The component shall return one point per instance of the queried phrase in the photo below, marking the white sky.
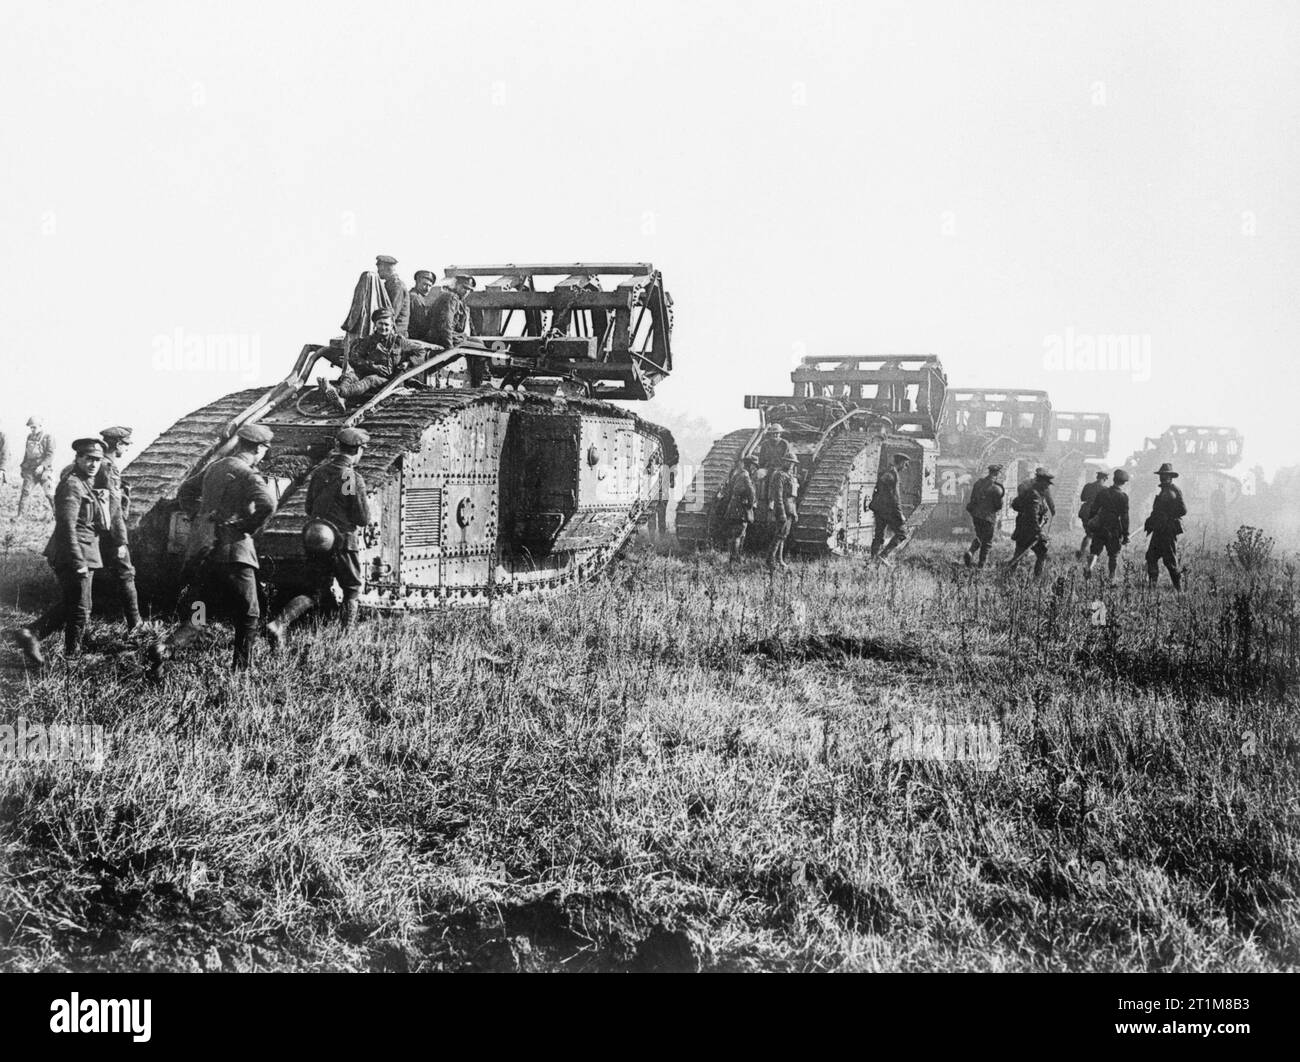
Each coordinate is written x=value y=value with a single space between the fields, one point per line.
x=963 y=179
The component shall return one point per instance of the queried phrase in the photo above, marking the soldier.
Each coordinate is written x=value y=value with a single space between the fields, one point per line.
x=741 y=500
x=80 y=514
x=221 y=558
x=37 y=466
x=1034 y=482
x=775 y=449
x=781 y=491
x=422 y=299
x=337 y=510
x=1108 y=523
x=374 y=360
x=887 y=505
x=986 y=497
x=449 y=316
x=1086 y=497
x=4 y=458
x=1164 y=525
x=1034 y=510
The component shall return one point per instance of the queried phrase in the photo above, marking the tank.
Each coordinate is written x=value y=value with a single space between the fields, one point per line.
x=1207 y=460
x=1076 y=452
x=846 y=418
x=499 y=467
x=980 y=427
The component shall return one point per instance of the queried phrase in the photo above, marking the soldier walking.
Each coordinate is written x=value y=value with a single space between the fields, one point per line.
x=887 y=505
x=1164 y=525
x=233 y=504
x=1107 y=524
x=80 y=515
x=781 y=491
x=742 y=498
x=1033 y=483
x=1034 y=515
x=986 y=497
x=337 y=511
x=37 y=468
x=1087 y=497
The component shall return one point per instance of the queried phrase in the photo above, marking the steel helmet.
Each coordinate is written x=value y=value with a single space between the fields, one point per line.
x=319 y=537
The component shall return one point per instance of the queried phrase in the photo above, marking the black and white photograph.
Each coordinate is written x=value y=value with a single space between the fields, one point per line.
x=618 y=488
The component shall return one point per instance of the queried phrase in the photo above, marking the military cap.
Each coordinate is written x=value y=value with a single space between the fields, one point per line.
x=352 y=437
x=1103 y=474
x=1166 y=470
x=425 y=273
x=33 y=422
x=380 y=314
x=901 y=459
x=994 y=469
x=385 y=259
x=116 y=433
x=1043 y=475
x=750 y=459
x=88 y=446
x=1040 y=471
x=1121 y=476
x=792 y=459
x=255 y=433
x=776 y=429
x=468 y=278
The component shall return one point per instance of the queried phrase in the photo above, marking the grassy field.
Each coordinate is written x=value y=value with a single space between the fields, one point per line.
x=683 y=767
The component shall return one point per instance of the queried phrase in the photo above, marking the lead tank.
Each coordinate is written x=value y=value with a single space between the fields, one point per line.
x=523 y=482
x=846 y=419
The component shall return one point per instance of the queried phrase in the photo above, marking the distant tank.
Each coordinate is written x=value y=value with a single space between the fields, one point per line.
x=1206 y=459
x=1076 y=453
x=528 y=482
x=981 y=427
x=846 y=419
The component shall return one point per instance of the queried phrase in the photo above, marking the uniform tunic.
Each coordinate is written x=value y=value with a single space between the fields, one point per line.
x=1033 y=513
x=233 y=504
x=1108 y=524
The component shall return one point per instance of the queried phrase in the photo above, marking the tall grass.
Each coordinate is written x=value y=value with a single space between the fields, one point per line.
x=685 y=766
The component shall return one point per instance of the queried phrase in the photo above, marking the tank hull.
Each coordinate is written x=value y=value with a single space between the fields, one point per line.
x=477 y=494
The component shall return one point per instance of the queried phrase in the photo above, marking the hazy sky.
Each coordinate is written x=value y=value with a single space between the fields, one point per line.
x=989 y=182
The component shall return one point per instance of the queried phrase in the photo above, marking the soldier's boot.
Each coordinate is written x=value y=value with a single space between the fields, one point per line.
x=1088 y=566
x=30 y=646
x=1039 y=564
x=1177 y=578
x=329 y=394
x=278 y=628
x=984 y=555
x=1112 y=565
x=967 y=559
x=131 y=605
x=350 y=610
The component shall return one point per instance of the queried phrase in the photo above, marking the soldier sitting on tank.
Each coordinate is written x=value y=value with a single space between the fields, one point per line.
x=374 y=360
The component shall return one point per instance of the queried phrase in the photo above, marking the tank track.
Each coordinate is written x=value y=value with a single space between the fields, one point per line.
x=822 y=494
x=695 y=530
